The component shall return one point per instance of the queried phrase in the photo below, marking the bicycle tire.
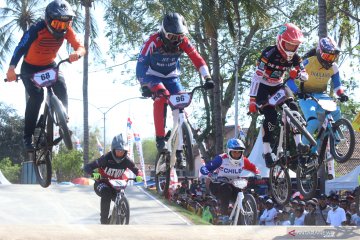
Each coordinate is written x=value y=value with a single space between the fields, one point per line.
x=342 y=157
x=41 y=157
x=249 y=204
x=61 y=121
x=188 y=148
x=162 y=179
x=307 y=192
x=281 y=196
x=122 y=212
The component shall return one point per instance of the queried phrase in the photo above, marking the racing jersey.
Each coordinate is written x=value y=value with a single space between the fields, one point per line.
x=154 y=60
x=271 y=67
x=109 y=168
x=39 y=47
x=222 y=166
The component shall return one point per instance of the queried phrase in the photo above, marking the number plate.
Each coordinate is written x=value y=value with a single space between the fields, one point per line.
x=180 y=100
x=45 y=78
x=277 y=98
x=117 y=182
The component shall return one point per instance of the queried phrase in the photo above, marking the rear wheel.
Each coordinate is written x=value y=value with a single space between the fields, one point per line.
x=61 y=120
x=342 y=143
x=162 y=173
x=250 y=211
x=280 y=184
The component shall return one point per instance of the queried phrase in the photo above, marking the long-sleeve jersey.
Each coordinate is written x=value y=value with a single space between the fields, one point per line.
x=222 y=166
x=319 y=77
x=109 y=168
x=271 y=67
x=154 y=60
x=39 y=47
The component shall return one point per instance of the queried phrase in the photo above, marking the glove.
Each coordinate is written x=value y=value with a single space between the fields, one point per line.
x=145 y=91
x=293 y=73
x=343 y=97
x=139 y=179
x=96 y=176
x=209 y=83
x=252 y=105
x=11 y=75
x=74 y=57
x=303 y=76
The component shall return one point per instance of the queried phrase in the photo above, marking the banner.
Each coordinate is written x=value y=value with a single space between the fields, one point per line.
x=99 y=146
x=77 y=144
x=139 y=150
x=129 y=137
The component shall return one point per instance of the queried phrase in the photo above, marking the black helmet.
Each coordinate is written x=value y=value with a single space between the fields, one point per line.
x=327 y=52
x=118 y=144
x=173 y=30
x=58 y=17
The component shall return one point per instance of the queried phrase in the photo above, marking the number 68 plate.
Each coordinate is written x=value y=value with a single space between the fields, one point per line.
x=45 y=78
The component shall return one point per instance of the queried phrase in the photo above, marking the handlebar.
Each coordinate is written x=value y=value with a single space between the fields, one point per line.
x=19 y=76
x=161 y=94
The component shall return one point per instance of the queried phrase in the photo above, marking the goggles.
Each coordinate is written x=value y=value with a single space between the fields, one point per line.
x=60 y=25
x=328 y=57
x=289 y=46
x=174 y=37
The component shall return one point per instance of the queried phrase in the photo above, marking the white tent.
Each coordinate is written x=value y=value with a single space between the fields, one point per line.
x=256 y=157
x=3 y=179
x=347 y=182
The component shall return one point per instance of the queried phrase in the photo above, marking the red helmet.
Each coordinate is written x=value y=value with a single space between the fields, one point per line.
x=288 y=40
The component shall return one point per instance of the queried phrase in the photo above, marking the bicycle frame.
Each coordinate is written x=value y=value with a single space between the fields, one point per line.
x=238 y=207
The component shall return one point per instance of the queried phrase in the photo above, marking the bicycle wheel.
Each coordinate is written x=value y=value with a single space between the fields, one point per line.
x=280 y=184
x=61 y=121
x=188 y=149
x=342 y=143
x=306 y=180
x=162 y=173
x=41 y=157
x=250 y=211
x=121 y=213
x=299 y=126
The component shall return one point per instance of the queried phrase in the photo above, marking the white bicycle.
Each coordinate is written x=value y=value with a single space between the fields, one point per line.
x=179 y=138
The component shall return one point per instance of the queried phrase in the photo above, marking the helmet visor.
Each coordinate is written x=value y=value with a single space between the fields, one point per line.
x=236 y=154
x=328 y=57
x=60 y=25
x=290 y=47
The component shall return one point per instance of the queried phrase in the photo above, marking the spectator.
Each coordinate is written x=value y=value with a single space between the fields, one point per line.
x=269 y=214
x=283 y=218
x=299 y=216
x=193 y=186
x=336 y=216
x=303 y=206
x=322 y=211
x=294 y=204
x=355 y=218
x=310 y=217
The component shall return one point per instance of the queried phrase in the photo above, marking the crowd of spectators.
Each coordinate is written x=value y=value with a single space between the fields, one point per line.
x=335 y=209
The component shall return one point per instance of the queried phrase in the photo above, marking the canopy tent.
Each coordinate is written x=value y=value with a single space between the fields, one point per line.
x=3 y=179
x=347 y=182
x=256 y=158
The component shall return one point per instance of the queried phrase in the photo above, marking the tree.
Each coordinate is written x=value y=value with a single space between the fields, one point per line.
x=10 y=170
x=11 y=134
x=17 y=15
x=67 y=165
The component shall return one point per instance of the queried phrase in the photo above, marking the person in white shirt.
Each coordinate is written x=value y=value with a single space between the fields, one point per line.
x=299 y=216
x=336 y=216
x=269 y=214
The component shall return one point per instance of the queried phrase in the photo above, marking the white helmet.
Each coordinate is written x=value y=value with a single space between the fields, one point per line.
x=235 y=145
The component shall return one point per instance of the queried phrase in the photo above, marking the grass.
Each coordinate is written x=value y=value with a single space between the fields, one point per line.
x=193 y=218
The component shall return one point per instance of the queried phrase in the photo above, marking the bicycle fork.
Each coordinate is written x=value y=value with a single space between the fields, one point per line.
x=234 y=216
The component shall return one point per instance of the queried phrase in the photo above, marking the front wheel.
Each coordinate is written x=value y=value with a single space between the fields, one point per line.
x=121 y=213
x=342 y=142
x=162 y=173
x=188 y=150
x=280 y=184
x=61 y=120
x=250 y=215
x=306 y=181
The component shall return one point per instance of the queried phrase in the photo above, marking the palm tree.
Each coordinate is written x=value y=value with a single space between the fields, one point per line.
x=17 y=15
